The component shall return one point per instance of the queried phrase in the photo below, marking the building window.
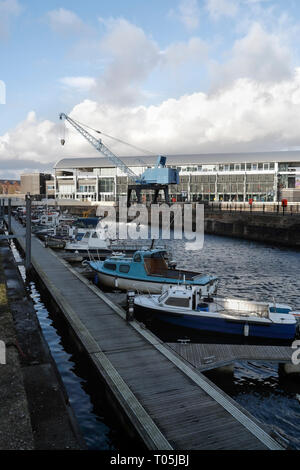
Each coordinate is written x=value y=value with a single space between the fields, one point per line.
x=106 y=185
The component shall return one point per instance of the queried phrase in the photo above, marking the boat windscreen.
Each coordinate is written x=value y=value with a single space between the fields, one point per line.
x=155 y=265
x=178 y=302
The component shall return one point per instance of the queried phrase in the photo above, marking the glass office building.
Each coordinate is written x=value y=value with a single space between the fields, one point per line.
x=265 y=177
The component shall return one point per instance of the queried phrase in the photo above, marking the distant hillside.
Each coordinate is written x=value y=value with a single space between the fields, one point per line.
x=10 y=187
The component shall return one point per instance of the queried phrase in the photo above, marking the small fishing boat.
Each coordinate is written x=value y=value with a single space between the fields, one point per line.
x=147 y=271
x=187 y=306
x=92 y=241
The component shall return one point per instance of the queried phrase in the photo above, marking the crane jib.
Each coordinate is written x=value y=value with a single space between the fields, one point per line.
x=157 y=175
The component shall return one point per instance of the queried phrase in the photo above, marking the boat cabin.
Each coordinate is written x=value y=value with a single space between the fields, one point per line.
x=194 y=298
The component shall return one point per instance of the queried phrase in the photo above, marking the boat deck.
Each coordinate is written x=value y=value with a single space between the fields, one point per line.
x=169 y=403
x=175 y=274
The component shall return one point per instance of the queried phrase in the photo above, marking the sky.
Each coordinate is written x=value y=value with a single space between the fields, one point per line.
x=170 y=77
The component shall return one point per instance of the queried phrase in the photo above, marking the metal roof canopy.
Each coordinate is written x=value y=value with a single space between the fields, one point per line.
x=185 y=159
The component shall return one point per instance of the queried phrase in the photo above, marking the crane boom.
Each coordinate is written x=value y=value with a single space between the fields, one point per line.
x=98 y=145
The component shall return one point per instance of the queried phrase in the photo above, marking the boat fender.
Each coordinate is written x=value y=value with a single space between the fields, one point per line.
x=116 y=282
x=246 y=329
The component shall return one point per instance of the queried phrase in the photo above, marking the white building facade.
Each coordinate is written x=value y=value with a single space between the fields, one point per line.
x=264 y=177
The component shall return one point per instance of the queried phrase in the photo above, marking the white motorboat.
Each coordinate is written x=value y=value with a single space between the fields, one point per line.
x=186 y=306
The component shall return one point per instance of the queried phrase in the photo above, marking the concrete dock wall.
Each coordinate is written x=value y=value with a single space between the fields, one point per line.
x=274 y=229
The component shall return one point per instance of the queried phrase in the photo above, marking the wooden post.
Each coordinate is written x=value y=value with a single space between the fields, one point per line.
x=28 y=232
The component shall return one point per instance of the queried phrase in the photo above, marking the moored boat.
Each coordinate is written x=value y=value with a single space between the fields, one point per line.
x=92 y=241
x=186 y=306
x=147 y=271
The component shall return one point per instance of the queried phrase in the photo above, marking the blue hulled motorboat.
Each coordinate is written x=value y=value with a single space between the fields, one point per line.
x=187 y=306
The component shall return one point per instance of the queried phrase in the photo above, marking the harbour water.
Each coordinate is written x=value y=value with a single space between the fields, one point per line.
x=245 y=269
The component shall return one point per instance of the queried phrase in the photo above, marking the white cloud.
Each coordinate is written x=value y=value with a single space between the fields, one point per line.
x=258 y=55
x=78 y=83
x=132 y=55
x=8 y=10
x=246 y=116
x=32 y=140
x=188 y=13
x=256 y=105
x=195 y=49
x=219 y=8
x=65 y=22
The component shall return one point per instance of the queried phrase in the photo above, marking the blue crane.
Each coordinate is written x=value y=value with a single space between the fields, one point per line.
x=157 y=178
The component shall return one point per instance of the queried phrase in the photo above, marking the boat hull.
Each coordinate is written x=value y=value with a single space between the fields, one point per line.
x=116 y=282
x=130 y=284
x=222 y=326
